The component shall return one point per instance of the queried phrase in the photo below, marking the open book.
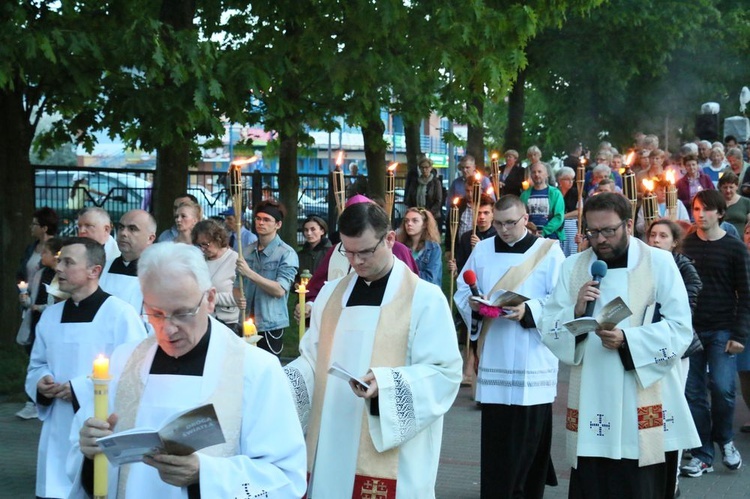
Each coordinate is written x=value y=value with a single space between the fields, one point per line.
x=609 y=317
x=501 y=298
x=337 y=370
x=184 y=434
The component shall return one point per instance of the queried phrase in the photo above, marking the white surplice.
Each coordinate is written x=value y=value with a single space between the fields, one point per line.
x=66 y=351
x=270 y=460
x=123 y=286
x=515 y=367
x=607 y=419
x=412 y=398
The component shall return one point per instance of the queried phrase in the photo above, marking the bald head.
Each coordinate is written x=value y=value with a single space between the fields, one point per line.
x=94 y=223
x=136 y=231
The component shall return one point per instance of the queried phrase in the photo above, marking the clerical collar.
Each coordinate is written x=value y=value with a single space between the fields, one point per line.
x=519 y=246
x=190 y=364
x=620 y=262
x=120 y=266
x=86 y=309
x=369 y=294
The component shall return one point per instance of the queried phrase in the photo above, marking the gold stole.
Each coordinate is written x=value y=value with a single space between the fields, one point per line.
x=375 y=471
x=227 y=402
x=641 y=297
x=511 y=280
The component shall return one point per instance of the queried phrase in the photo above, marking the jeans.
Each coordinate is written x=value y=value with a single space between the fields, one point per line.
x=714 y=423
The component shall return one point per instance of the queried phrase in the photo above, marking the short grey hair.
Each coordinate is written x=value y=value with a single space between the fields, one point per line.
x=168 y=259
x=565 y=171
x=100 y=213
x=601 y=168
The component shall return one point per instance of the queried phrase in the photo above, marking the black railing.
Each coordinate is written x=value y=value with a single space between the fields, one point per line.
x=121 y=190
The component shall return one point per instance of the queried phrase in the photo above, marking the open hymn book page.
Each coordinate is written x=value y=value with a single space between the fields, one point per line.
x=609 y=317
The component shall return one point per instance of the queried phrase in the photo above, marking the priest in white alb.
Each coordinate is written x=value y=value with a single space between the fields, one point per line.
x=192 y=360
x=394 y=332
x=627 y=415
x=517 y=374
x=69 y=336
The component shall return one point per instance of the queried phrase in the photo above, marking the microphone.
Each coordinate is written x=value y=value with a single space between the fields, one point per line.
x=598 y=271
x=470 y=278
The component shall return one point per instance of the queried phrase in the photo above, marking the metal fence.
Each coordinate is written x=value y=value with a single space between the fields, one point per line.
x=119 y=190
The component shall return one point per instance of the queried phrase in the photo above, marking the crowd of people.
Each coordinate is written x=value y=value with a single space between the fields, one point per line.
x=648 y=388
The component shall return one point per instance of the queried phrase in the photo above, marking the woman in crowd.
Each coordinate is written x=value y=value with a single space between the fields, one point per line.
x=420 y=234
x=43 y=227
x=512 y=174
x=427 y=192
x=187 y=215
x=566 y=182
x=212 y=239
x=713 y=170
x=693 y=182
x=316 y=245
x=738 y=207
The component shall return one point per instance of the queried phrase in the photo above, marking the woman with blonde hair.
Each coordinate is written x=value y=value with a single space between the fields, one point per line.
x=187 y=215
x=420 y=234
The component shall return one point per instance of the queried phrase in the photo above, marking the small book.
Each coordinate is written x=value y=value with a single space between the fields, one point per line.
x=609 y=317
x=342 y=373
x=501 y=298
x=184 y=434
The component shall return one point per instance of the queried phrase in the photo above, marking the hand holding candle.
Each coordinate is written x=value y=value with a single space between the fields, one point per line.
x=23 y=287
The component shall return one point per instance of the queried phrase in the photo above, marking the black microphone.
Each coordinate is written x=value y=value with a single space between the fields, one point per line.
x=470 y=278
x=598 y=271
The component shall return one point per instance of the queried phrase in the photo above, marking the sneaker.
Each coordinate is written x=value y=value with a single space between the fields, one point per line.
x=732 y=458
x=29 y=411
x=696 y=468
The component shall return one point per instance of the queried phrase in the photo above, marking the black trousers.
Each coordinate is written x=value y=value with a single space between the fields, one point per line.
x=271 y=341
x=516 y=442
x=598 y=477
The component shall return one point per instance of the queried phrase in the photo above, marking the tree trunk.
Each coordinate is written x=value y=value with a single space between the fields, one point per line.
x=170 y=181
x=16 y=203
x=475 y=134
x=412 y=137
x=375 y=149
x=516 y=104
x=288 y=186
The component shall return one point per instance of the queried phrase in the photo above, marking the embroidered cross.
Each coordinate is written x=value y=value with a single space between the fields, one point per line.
x=374 y=489
x=670 y=420
x=664 y=357
x=599 y=425
x=555 y=330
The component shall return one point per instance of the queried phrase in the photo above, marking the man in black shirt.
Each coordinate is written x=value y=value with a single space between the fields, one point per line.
x=721 y=318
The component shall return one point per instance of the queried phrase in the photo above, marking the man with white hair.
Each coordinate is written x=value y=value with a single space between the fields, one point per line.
x=192 y=360
x=704 y=151
x=136 y=231
x=95 y=223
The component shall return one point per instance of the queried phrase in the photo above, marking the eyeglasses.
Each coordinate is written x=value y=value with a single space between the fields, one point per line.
x=506 y=225
x=607 y=232
x=265 y=220
x=364 y=254
x=204 y=245
x=178 y=318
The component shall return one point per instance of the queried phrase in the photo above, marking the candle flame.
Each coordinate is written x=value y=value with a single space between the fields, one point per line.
x=100 y=357
x=648 y=184
x=490 y=191
x=583 y=161
x=525 y=184
x=478 y=177
x=495 y=155
x=622 y=171
x=249 y=320
x=629 y=159
x=340 y=158
x=240 y=162
x=455 y=201
x=670 y=176
x=392 y=167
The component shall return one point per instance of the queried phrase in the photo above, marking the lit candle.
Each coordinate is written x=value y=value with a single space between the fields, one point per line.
x=495 y=173
x=671 y=195
x=580 y=182
x=454 y=230
x=248 y=329
x=650 y=204
x=476 y=200
x=100 y=378
x=302 y=290
x=23 y=287
x=629 y=184
x=525 y=184
x=390 y=188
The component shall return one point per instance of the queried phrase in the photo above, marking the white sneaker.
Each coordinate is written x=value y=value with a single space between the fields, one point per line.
x=28 y=412
x=732 y=458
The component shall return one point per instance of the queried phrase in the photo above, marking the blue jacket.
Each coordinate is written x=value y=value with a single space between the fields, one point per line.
x=430 y=263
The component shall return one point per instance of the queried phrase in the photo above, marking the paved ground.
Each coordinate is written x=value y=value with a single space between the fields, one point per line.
x=458 y=477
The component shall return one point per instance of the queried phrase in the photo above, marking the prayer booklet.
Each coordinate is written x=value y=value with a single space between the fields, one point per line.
x=183 y=434
x=501 y=298
x=609 y=317
x=342 y=373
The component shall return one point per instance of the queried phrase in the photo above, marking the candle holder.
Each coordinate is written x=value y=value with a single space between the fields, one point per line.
x=339 y=185
x=495 y=173
x=629 y=184
x=476 y=198
x=453 y=221
x=650 y=204
x=390 y=189
x=235 y=189
x=671 y=196
x=250 y=332
x=580 y=181
x=304 y=278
